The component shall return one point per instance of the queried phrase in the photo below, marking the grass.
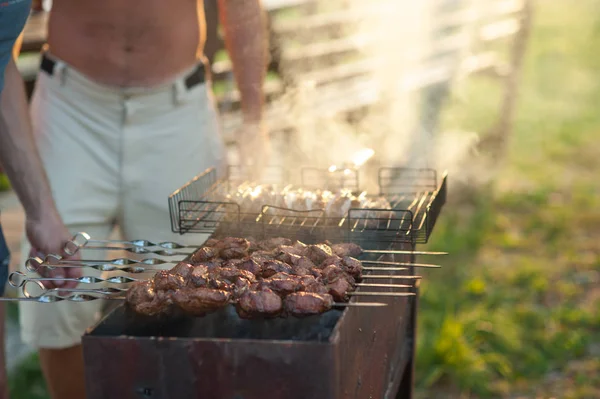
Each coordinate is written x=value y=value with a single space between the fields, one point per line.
x=515 y=312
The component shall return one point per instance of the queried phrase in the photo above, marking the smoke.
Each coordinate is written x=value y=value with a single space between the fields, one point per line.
x=396 y=40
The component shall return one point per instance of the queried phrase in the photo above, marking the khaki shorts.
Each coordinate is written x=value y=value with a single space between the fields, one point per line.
x=113 y=156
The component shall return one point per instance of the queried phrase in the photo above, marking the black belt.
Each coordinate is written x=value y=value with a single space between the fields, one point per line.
x=196 y=77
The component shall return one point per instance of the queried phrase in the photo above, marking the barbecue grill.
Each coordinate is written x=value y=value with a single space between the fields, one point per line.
x=357 y=352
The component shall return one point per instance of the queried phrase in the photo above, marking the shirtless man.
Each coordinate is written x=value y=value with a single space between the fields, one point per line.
x=123 y=115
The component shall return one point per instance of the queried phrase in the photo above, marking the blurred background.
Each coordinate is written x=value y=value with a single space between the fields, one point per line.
x=504 y=95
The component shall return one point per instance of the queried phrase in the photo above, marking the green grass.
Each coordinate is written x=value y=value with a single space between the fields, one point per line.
x=516 y=311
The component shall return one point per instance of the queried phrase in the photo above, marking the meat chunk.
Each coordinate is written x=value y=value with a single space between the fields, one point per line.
x=233 y=248
x=259 y=303
x=203 y=254
x=332 y=260
x=304 y=263
x=307 y=303
x=211 y=242
x=199 y=277
x=300 y=246
x=182 y=269
x=339 y=289
x=347 y=249
x=318 y=253
x=251 y=265
x=287 y=257
x=165 y=281
x=332 y=273
x=273 y=243
x=143 y=299
x=272 y=267
x=352 y=266
x=284 y=284
x=231 y=274
x=200 y=301
x=262 y=256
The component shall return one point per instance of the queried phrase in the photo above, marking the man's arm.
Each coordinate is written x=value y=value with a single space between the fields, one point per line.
x=23 y=166
x=244 y=25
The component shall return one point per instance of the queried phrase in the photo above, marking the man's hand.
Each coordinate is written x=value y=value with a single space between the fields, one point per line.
x=254 y=149
x=48 y=235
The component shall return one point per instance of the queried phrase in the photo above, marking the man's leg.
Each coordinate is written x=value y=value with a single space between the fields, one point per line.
x=78 y=138
x=170 y=144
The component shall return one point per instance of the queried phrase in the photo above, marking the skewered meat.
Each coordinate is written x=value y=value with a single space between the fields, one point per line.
x=352 y=266
x=199 y=277
x=286 y=257
x=165 y=281
x=203 y=254
x=144 y=300
x=347 y=249
x=273 y=243
x=271 y=267
x=303 y=279
x=211 y=242
x=259 y=303
x=200 y=301
x=307 y=303
x=262 y=256
x=284 y=284
x=231 y=274
x=183 y=269
x=318 y=253
x=249 y=264
x=332 y=260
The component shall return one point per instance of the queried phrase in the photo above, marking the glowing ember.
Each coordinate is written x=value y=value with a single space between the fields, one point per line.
x=362 y=156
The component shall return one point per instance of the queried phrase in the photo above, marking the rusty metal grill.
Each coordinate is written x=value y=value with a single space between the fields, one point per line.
x=416 y=200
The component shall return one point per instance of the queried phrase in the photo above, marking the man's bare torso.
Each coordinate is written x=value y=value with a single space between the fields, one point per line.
x=129 y=43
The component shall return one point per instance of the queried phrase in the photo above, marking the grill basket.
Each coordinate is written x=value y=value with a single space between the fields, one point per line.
x=416 y=199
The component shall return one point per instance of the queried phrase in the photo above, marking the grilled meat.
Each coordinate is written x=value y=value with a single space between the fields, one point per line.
x=165 y=281
x=318 y=253
x=182 y=269
x=203 y=254
x=259 y=303
x=272 y=267
x=198 y=277
x=307 y=303
x=273 y=243
x=352 y=266
x=231 y=274
x=250 y=265
x=268 y=278
x=347 y=249
x=284 y=284
x=200 y=301
x=144 y=300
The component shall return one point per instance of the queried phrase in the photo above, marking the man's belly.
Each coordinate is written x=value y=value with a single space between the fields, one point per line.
x=142 y=50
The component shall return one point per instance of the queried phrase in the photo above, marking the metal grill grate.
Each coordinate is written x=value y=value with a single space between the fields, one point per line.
x=415 y=199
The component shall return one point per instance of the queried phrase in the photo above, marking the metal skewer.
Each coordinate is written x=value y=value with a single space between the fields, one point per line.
x=397 y=294
x=392 y=252
x=367 y=276
x=359 y=304
x=18 y=279
x=378 y=262
x=375 y=285
x=389 y=269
